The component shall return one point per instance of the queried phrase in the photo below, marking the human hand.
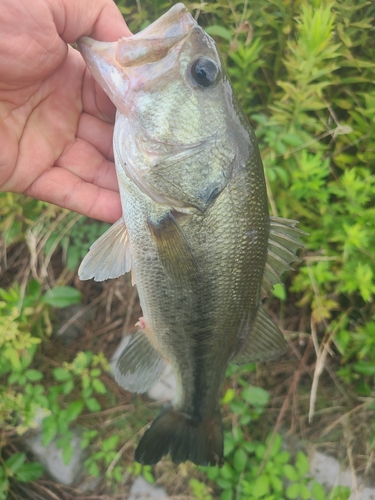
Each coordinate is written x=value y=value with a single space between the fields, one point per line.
x=56 y=124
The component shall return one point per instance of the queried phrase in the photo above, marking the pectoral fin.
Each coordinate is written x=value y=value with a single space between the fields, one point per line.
x=265 y=341
x=140 y=365
x=174 y=250
x=109 y=257
x=282 y=247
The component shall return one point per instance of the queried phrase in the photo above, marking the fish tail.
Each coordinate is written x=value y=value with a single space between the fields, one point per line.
x=200 y=441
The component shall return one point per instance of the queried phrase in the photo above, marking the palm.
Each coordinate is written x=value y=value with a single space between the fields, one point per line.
x=56 y=125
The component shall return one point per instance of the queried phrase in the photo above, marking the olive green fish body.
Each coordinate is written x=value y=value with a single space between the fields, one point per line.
x=209 y=289
x=195 y=232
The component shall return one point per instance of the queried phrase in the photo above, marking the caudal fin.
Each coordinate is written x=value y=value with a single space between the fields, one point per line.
x=184 y=438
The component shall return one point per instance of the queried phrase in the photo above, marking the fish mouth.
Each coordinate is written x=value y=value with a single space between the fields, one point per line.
x=116 y=66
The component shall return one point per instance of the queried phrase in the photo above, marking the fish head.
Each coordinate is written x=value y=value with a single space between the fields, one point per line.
x=145 y=72
x=174 y=99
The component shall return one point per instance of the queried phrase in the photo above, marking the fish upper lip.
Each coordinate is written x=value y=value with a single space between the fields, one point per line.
x=149 y=45
x=124 y=51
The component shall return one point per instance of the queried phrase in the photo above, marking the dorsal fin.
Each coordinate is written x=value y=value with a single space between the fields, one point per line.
x=283 y=244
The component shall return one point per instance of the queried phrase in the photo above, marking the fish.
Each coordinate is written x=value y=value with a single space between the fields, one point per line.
x=195 y=230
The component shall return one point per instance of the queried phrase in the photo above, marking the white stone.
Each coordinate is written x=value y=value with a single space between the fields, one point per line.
x=142 y=490
x=165 y=388
x=327 y=471
x=366 y=494
x=51 y=457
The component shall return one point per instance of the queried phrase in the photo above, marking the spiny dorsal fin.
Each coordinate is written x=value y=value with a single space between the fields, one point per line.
x=265 y=341
x=109 y=257
x=283 y=244
x=140 y=365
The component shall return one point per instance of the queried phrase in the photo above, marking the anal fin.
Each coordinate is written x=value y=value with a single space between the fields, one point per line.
x=265 y=341
x=140 y=365
x=109 y=257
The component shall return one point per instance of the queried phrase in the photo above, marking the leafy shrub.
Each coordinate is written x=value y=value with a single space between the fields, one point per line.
x=25 y=394
x=254 y=469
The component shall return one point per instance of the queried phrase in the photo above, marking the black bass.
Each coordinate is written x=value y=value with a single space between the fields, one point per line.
x=195 y=231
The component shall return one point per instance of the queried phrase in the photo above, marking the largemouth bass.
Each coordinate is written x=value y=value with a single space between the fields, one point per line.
x=195 y=232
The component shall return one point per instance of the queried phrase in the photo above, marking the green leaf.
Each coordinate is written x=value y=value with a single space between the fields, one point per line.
x=293 y=491
x=224 y=483
x=67 y=453
x=255 y=396
x=283 y=457
x=95 y=372
x=279 y=291
x=33 y=288
x=94 y=469
x=33 y=375
x=364 y=369
x=290 y=472
x=227 y=494
x=227 y=472
x=229 y=444
x=239 y=460
x=14 y=462
x=318 y=491
x=110 y=443
x=276 y=444
x=62 y=296
x=13 y=357
x=147 y=474
x=305 y=492
x=261 y=486
x=98 y=386
x=30 y=472
x=74 y=410
x=276 y=483
x=229 y=395
x=13 y=378
x=92 y=404
x=61 y=374
x=220 y=31
x=68 y=386
x=340 y=493
x=260 y=451
x=49 y=426
x=302 y=463
x=237 y=434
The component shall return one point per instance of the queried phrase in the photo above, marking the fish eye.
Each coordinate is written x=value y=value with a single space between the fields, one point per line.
x=204 y=72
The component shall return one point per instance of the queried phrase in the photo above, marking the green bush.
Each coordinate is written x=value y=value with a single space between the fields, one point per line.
x=256 y=469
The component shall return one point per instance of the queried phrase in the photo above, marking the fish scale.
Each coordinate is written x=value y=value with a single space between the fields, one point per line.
x=195 y=230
